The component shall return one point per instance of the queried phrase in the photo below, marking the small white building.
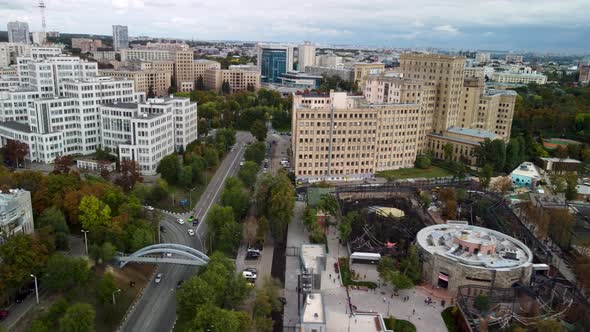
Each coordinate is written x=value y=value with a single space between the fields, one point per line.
x=16 y=213
x=313 y=318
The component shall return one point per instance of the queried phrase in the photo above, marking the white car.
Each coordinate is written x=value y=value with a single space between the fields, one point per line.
x=149 y=208
x=248 y=275
x=180 y=221
x=241 y=163
x=191 y=232
x=158 y=278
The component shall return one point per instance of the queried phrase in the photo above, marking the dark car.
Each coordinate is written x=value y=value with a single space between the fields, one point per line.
x=196 y=222
x=180 y=282
x=4 y=314
x=21 y=296
x=162 y=229
x=250 y=255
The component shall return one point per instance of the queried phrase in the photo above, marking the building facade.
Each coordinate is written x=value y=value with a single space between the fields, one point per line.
x=361 y=70
x=346 y=74
x=328 y=60
x=18 y=32
x=306 y=55
x=9 y=52
x=463 y=141
x=39 y=37
x=238 y=79
x=86 y=45
x=147 y=81
x=273 y=61
x=457 y=254
x=584 y=73
x=120 y=37
x=16 y=213
x=200 y=66
x=482 y=57
x=519 y=78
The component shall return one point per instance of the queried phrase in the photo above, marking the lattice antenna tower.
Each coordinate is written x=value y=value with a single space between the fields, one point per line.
x=42 y=8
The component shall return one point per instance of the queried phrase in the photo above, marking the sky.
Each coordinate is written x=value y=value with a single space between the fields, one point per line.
x=539 y=25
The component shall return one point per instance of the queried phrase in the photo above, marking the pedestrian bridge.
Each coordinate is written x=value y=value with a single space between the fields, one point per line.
x=157 y=253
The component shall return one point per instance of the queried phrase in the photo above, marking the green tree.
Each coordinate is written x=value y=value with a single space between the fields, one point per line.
x=151 y=93
x=200 y=83
x=280 y=205
x=169 y=168
x=482 y=303
x=215 y=319
x=235 y=196
x=20 y=255
x=54 y=218
x=105 y=288
x=185 y=176
x=65 y=272
x=255 y=152
x=329 y=204
x=259 y=130
x=78 y=318
x=448 y=151
x=248 y=173
x=193 y=294
x=485 y=175
x=225 y=88
x=571 y=180
x=102 y=253
x=223 y=230
x=423 y=162
x=95 y=216
x=211 y=156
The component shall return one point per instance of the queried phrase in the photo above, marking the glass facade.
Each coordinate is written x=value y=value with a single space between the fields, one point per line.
x=273 y=65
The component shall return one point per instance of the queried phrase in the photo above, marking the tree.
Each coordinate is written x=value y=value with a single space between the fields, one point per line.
x=62 y=164
x=151 y=93
x=448 y=151
x=251 y=87
x=215 y=319
x=169 y=168
x=501 y=185
x=235 y=196
x=492 y=153
x=64 y=272
x=329 y=204
x=223 y=231
x=185 y=176
x=21 y=255
x=248 y=173
x=485 y=175
x=571 y=180
x=103 y=253
x=255 y=152
x=259 y=130
x=345 y=228
x=54 y=218
x=211 y=155
x=225 y=88
x=200 y=83
x=95 y=216
x=105 y=288
x=193 y=294
x=15 y=152
x=423 y=162
x=78 y=318
x=130 y=175
x=280 y=205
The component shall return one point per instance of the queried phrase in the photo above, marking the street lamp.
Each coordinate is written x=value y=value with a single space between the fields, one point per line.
x=36 y=287
x=115 y=292
x=190 y=196
x=86 y=240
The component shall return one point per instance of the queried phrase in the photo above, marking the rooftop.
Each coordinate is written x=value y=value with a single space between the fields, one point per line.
x=16 y=126
x=527 y=169
x=130 y=106
x=313 y=309
x=494 y=92
x=312 y=256
x=11 y=194
x=473 y=132
x=562 y=160
x=474 y=246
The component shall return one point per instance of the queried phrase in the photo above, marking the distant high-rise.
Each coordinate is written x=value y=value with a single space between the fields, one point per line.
x=273 y=61
x=18 y=32
x=306 y=55
x=120 y=37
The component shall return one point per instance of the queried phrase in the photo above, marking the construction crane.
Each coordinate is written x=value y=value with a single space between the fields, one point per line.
x=42 y=8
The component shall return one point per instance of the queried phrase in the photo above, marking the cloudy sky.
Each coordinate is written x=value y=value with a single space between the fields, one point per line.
x=470 y=24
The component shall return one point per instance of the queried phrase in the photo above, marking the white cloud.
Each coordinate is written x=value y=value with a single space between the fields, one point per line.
x=406 y=36
x=447 y=28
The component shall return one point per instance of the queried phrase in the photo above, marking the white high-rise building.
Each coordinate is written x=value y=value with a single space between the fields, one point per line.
x=46 y=75
x=16 y=213
x=18 y=32
x=120 y=37
x=306 y=55
x=39 y=37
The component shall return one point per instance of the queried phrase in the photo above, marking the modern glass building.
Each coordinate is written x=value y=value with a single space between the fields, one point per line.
x=274 y=61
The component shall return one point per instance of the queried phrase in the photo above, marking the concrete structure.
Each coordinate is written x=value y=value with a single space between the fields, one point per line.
x=9 y=52
x=47 y=75
x=201 y=66
x=146 y=132
x=306 y=56
x=39 y=37
x=512 y=58
x=474 y=72
x=104 y=56
x=313 y=262
x=146 y=55
x=584 y=73
x=520 y=78
x=445 y=73
x=300 y=80
x=120 y=37
x=313 y=318
x=184 y=71
x=482 y=57
x=273 y=61
x=86 y=45
x=345 y=74
x=16 y=213
x=18 y=32
x=361 y=70
x=525 y=175
x=96 y=165
x=328 y=60
x=457 y=254
x=145 y=80
x=560 y=164
x=238 y=79
x=464 y=141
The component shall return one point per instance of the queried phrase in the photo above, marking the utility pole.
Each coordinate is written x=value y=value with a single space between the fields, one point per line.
x=36 y=287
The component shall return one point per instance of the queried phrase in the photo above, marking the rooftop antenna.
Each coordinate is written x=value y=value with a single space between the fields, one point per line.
x=42 y=8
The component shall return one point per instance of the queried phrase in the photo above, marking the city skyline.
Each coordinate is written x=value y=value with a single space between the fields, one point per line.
x=490 y=24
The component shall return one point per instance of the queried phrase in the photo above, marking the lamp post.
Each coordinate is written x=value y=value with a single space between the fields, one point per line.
x=115 y=292
x=85 y=240
x=36 y=288
x=190 y=196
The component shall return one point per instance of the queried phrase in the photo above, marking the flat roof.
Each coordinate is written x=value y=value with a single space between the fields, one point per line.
x=446 y=239
x=365 y=322
x=455 y=139
x=472 y=132
x=494 y=92
x=313 y=309
x=527 y=169
x=564 y=160
x=310 y=254
x=122 y=105
x=16 y=126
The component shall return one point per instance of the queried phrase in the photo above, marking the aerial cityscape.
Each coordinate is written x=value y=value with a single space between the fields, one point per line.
x=302 y=167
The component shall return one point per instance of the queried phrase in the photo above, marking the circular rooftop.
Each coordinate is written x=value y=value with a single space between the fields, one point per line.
x=474 y=246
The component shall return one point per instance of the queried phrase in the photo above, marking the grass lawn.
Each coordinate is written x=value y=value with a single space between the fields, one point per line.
x=410 y=173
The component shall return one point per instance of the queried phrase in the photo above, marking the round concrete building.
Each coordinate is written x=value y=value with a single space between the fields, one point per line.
x=456 y=254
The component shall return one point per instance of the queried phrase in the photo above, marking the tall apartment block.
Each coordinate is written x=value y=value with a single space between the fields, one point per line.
x=16 y=213
x=306 y=56
x=424 y=107
x=274 y=61
x=120 y=37
x=238 y=79
x=18 y=32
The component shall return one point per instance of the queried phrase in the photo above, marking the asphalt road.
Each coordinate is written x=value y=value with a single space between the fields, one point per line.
x=156 y=310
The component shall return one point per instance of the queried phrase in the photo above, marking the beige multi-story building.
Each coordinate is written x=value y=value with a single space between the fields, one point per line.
x=145 y=80
x=146 y=55
x=86 y=45
x=519 y=78
x=477 y=72
x=184 y=73
x=446 y=73
x=463 y=142
x=511 y=58
x=482 y=57
x=9 y=52
x=584 y=73
x=361 y=70
x=306 y=55
x=238 y=79
x=328 y=60
x=200 y=66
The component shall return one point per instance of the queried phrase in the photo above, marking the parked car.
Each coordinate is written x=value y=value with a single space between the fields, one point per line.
x=158 y=278
x=249 y=275
x=180 y=221
x=251 y=270
x=149 y=208
x=191 y=232
x=4 y=314
x=252 y=255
